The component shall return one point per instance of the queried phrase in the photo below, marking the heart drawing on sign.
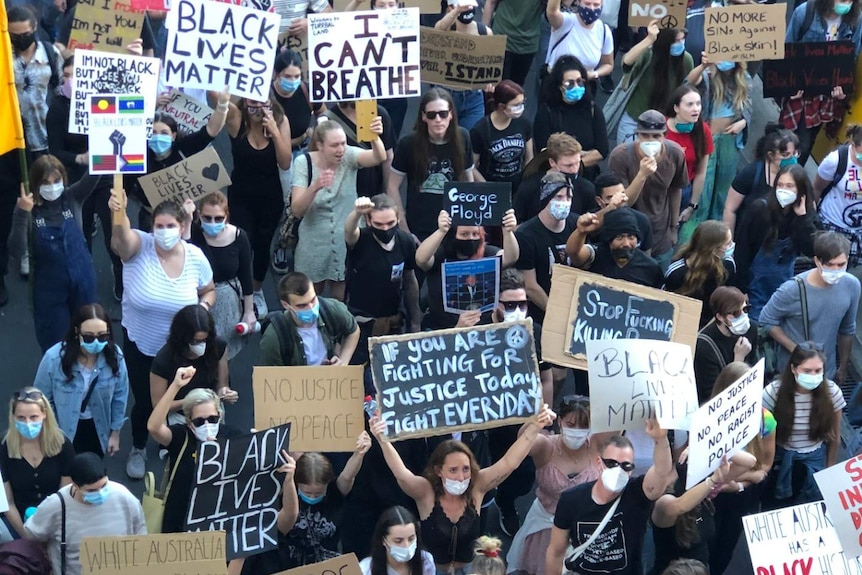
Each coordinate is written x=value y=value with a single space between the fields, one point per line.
x=211 y=172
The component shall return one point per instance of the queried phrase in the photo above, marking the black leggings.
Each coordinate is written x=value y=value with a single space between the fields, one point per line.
x=517 y=66
x=258 y=217
x=97 y=203
x=138 y=366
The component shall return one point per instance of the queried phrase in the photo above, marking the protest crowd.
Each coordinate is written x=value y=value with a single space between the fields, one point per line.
x=444 y=282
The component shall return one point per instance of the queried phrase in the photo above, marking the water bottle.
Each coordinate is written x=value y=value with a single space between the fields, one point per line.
x=243 y=328
x=29 y=513
x=370 y=406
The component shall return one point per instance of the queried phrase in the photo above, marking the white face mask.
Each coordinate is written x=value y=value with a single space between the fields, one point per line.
x=166 y=238
x=832 y=277
x=574 y=438
x=402 y=554
x=650 y=148
x=614 y=479
x=785 y=197
x=51 y=192
x=198 y=349
x=206 y=431
x=740 y=325
x=514 y=315
x=454 y=487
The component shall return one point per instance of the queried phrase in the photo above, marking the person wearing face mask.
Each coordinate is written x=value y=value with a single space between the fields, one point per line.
x=730 y=336
x=396 y=547
x=774 y=232
x=291 y=92
x=85 y=379
x=581 y=34
x=570 y=108
x=46 y=225
x=34 y=457
x=563 y=461
x=831 y=299
x=453 y=485
x=807 y=407
x=161 y=275
x=92 y=506
x=587 y=504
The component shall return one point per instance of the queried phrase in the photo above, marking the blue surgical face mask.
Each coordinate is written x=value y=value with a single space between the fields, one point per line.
x=574 y=94
x=95 y=347
x=725 y=66
x=792 y=160
x=29 y=429
x=160 y=143
x=684 y=127
x=677 y=48
x=309 y=500
x=308 y=315
x=809 y=381
x=212 y=228
x=96 y=497
x=289 y=85
x=842 y=8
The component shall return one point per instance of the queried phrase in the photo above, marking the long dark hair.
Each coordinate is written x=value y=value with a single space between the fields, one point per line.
x=698 y=134
x=686 y=528
x=775 y=138
x=392 y=517
x=551 y=86
x=453 y=137
x=821 y=417
x=186 y=323
x=779 y=218
x=70 y=349
x=824 y=8
x=667 y=70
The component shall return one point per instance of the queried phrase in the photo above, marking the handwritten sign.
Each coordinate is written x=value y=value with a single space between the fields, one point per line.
x=669 y=13
x=425 y=6
x=363 y=55
x=187 y=553
x=117 y=135
x=150 y=5
x=236 y=490
x=796 y=540
x=841 y=486
x=109 y=25
x=743 y=33
x=212 y=45
x=342 y=565
x=323 y=404
x=477 y=203
x=814 y=67
x=583 y=306
x=448 y=380
x=471 y=285
x=724 y=425
x=191 y=179
x=190 y=114
x=101 y=73
x=461 y=61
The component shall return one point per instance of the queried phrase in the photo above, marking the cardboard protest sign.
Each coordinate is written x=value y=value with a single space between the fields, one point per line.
x=191 y=179
x=841 y=486
x=471 y=285
x=190 y=114
x=101 y=73
x=460 y=61
x=366 y=113
x=342 y=565
x=796 y=540
x=583 y=306
x=434 y=383
x=212 y=45
x=323 y=404
x=814 y=67
x=187 y=553
x=724 y=425
x=477 y=203
x=745 y=32
x=237 y=488
x=298 y=44
x=632 y=380
x=157 y=5
x=109 y=25
x=117 y=135
x=669 y=13
x=363 y=55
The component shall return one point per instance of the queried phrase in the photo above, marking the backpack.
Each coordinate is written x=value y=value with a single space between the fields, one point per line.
x=809 y=18
x=282 y=327
x=23 y=557
x=843 y=159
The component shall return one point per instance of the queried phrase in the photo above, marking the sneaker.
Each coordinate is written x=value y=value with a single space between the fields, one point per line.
x=25 y=265
x=260 y=304
x=510 y=522
x=136 y=466
x=281 y=260
x=4 y=295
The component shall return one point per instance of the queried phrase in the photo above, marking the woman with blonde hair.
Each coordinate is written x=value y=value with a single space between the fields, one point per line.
x=487 y=557
x=34 y=456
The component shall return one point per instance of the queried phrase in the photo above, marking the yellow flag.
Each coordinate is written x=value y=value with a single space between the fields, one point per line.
x=11 y=129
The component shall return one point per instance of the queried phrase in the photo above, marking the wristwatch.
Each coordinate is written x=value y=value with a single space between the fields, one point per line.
x=693 y=207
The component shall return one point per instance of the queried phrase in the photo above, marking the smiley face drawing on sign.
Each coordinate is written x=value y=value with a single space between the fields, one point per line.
x=517 y=336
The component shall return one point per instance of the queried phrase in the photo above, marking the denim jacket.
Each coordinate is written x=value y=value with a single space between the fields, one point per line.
x=107 y=404
x=817 y=31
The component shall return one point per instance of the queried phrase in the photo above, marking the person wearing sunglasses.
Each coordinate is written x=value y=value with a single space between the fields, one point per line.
x=620 y=545
x=34 y=456
x=84 y=377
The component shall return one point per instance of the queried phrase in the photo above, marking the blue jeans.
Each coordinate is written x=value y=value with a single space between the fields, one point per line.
x=814 y=461
x=626 y=129
x=470 y=107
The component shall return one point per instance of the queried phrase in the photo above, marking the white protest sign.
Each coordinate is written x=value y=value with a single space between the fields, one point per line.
x=4 y=503
x=363 y=55
x=118 y=135
x=799 y=540
x=725 y=425
x=634 y=379
x=212 y=45
x=102 y=73
x=190 y=114
x=841 y=486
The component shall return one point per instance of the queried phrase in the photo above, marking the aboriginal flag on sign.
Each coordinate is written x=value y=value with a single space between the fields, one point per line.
x=106 y=105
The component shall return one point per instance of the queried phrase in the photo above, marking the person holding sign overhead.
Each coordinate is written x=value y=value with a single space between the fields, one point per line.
x=453 y=485
x=583 y=36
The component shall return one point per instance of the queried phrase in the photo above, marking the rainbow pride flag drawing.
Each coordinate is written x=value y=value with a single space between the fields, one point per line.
x=132 y=163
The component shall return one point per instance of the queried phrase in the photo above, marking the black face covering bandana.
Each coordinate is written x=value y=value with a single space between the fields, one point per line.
x=467 y=17
x=385 y=236
x=466 y=247
x=622 y=253
x=22 y=41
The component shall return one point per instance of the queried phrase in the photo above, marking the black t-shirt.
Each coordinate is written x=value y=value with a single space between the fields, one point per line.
x=369 y=181
x=618 y=548
x=31 y=486
x=708 y=364
x=750 y=182
x=501 y=152
x=165 y=366
x=437 y=318
x=541 y=248
x=298 y=110
x=425 y=197
x=667 y=548
x=375 y=276
x=675 y=278
x=526 y=201
x=230 y=261
x=314 y=536
x=641 y=269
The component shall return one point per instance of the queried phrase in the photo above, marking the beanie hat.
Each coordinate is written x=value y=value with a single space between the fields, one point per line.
x=549 y=186
x=619 y=221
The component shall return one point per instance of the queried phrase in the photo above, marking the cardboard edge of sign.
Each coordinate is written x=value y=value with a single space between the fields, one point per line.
x=433 y=432
x=562 y=304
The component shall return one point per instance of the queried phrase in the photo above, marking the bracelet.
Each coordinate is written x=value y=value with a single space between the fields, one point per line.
x=206 y=303
x=222 y=107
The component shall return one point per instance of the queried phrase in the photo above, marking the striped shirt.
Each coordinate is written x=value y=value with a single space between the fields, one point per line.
x=290 y=10
x=151 y=298
x=799 y=440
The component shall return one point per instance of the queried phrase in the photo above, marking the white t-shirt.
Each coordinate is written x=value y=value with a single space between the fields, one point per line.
x=842 y=205
x=151 y=298
x=120 y=514
x=312 y=343
x=586 y=44
x=289 y=10
x=428 y=567
x=799 y=434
